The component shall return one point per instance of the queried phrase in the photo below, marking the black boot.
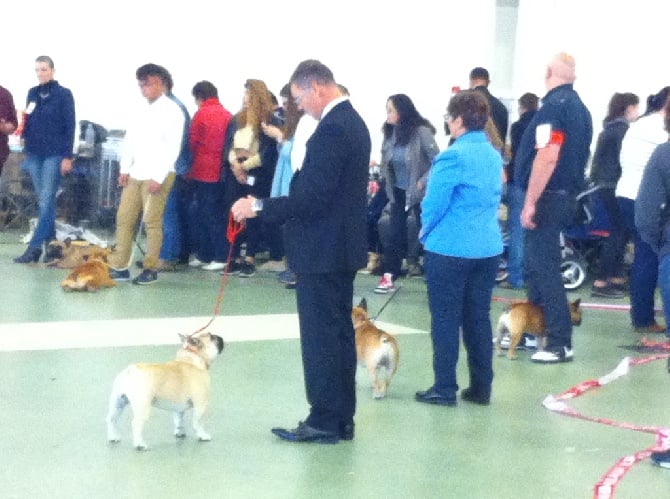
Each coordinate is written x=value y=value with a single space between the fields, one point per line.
x=32 y=255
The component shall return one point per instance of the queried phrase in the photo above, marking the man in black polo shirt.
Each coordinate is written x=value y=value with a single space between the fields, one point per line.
x=550 y=167
x=479 y=80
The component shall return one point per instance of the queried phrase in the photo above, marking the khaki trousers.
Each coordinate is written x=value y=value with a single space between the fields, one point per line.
x=135 y=200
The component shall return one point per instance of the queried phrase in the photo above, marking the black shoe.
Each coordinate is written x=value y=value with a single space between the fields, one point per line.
x=232 y=268
x=470 y=395
x=430 y=396
x=247 y=269
x=346 y=431
x=607 y=291
x=31 y=255
x=305 y=433
x=147 y=276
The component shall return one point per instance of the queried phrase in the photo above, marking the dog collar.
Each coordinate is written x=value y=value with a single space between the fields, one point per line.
x=193 y=350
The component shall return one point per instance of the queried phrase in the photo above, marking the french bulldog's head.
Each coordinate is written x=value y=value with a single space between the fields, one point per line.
x=207 y=345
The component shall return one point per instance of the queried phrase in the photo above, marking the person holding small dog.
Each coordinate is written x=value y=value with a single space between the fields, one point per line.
x=463 y=244
x=549 y=167
x=325 y=237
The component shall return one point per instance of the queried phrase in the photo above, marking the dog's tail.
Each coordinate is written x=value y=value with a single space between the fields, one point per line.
x=390 y=354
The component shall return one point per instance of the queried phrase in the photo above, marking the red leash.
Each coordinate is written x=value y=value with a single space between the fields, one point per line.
x=234 y=229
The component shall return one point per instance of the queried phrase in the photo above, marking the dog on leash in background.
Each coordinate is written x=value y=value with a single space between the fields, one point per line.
x=178 y=385
x=91 y=275
x=525 y=317
x=375 y=348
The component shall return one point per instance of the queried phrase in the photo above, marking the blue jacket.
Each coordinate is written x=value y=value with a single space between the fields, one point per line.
x=459 y=214
x=50 y=127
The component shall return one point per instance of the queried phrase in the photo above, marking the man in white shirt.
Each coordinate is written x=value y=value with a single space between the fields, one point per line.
x=151 y=147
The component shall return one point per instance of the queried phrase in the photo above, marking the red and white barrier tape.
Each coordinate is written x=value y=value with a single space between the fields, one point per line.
x=605 y=487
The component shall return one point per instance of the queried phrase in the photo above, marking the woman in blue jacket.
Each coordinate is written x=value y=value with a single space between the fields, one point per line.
x=462 y=246
x=48 y=137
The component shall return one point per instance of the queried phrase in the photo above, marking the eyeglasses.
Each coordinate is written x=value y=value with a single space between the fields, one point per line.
x=447 y=117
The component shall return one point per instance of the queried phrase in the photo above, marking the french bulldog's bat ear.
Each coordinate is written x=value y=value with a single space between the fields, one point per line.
x=363 y=304
x=577 y=302
x=184 y=339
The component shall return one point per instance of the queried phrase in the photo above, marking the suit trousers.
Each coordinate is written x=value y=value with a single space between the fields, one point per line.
x=135 y=200
x=328 y=347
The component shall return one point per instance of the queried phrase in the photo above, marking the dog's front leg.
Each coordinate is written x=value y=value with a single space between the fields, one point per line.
x=198 y=412
x=179 y=430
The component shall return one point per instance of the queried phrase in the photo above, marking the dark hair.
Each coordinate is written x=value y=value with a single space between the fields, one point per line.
x=285 y=91
x=409 y=120
x=666 y=119
x=657 y=102
x=618 y=105
x=204 y=90
x=529 y=101
x=472 y=107
x=143 y=72
x=47 y=59
x=310 y=71
x=479 y=73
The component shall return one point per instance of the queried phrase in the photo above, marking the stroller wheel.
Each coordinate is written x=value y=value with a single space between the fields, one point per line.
x=573 y=272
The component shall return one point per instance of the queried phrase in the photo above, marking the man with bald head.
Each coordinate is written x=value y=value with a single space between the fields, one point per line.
x=549 y=167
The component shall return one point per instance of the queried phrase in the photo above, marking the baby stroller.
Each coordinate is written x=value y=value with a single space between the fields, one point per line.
x=581 y=242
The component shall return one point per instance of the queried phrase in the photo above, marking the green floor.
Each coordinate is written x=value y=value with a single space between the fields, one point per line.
x=52 y=430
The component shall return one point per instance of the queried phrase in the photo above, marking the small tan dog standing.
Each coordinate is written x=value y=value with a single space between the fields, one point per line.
x=178 y=385
x=525 y=317
x=91 y=275
x=377 y=349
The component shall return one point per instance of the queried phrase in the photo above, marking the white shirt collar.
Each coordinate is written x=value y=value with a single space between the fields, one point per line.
x=332 y=104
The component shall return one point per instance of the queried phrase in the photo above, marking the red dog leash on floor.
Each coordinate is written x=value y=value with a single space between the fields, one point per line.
x=234 y=229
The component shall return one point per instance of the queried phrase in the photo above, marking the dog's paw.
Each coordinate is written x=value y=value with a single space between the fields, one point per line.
x=180 y=434
x=141 y=447
x=204 y=437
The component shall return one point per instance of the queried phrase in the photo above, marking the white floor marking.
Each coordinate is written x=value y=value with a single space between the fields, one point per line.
x=164 y=331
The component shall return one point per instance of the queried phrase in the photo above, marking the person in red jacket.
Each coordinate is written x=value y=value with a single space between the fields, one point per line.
x=206 y=140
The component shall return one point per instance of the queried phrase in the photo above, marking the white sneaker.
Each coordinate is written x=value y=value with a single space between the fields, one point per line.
x=385 y=284
x=196 y=263
x=531 y=342
x=560 y=354
x=213 y=265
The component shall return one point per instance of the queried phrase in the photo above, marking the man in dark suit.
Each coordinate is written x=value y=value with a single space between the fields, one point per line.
x=325 y=236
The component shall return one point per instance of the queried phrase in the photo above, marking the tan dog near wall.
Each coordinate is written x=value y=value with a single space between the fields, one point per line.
x=377 y=349
x=178 y=385
x=525 y=317
x=91 y=275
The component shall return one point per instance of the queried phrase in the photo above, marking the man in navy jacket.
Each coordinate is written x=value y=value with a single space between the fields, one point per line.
x=325 y=236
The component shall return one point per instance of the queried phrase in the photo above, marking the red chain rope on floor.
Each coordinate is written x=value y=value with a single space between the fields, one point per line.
x=606 y=486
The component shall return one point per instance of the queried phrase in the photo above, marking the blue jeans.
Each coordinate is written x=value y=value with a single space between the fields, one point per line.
x=211 y=221
x=403 y=237
x=515 y=200
x=459 y=296
x=643 y=272
x=542 y=250
x=45 y=175
x=664 y=285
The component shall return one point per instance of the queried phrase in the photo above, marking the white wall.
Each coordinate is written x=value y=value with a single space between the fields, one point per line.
x=420 y=48
x=618 y=45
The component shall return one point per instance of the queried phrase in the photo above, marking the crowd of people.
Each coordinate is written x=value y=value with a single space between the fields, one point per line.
x=297 y=174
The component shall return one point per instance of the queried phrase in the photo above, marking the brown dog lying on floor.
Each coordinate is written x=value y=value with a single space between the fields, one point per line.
x=377 y=349
x=91 y=275
x=525 y=317
x=69 y=254
x=179 y=385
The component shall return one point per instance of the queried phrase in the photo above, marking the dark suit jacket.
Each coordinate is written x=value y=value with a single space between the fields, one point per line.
x=325 y=211
x=499 y=113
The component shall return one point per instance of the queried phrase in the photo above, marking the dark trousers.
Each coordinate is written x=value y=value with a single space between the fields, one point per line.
x=403 y=237
x=459 y=296
x=542 y=253
x=328 y=347
x=212 y=218
x=643 y=272
x=611 y=255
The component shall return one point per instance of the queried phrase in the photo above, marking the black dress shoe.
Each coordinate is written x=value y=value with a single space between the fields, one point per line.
x=31 y=255
x=476 y=398
x=430 y=396
x=346 y=431
x=305 y=433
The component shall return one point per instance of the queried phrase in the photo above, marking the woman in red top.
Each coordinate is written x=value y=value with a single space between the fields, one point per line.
x=206 y=139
